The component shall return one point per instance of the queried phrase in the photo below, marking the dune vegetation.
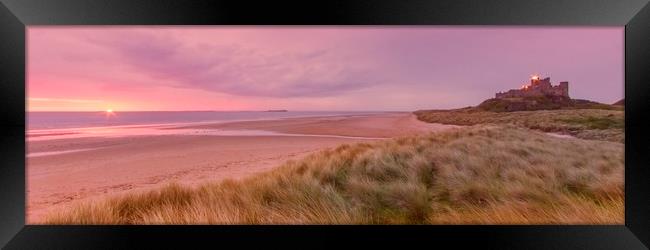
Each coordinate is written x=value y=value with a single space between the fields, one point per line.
x=591 y=124
x=533 y=103
x=486 y=174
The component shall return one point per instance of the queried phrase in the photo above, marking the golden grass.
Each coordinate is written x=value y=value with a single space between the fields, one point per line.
x=592 y=124
x=473 y=175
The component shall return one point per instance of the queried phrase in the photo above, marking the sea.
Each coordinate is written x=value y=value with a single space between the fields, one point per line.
x=57 y=120
x=60 y=125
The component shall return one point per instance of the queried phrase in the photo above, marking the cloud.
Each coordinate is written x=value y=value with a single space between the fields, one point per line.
x=238 y=69
x=316 y=67
x=38 y=99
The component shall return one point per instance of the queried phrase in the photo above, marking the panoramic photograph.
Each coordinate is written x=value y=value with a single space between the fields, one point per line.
x=324 y=125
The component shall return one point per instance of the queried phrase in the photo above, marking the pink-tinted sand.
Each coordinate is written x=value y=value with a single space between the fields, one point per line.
x=94 y=167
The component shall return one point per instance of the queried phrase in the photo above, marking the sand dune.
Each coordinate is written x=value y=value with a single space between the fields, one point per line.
x=140 y=162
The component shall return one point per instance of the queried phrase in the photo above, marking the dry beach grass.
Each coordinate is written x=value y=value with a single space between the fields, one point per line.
x=100 y=166
x=591 y=124
x=484 y=174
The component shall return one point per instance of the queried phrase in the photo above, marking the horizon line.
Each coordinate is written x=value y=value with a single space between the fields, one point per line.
x=268 y=110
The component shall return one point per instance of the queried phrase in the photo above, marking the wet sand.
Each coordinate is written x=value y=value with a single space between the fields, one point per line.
x=384 y=125
x=61 y=171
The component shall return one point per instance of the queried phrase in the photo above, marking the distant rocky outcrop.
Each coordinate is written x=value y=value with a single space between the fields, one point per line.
x=523 y=104
x=540 y=103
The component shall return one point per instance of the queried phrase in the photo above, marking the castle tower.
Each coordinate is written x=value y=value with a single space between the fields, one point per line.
x=564 y=86
x=534 y=79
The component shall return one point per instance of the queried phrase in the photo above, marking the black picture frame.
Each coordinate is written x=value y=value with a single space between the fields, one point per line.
x=15 y=15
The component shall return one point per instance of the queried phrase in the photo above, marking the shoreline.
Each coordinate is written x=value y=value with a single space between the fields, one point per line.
x=35 y=131
x=81 y=132
x=140 y=162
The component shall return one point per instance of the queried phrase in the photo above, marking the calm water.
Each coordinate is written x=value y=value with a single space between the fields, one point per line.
x=69 y=125
x=61 y=120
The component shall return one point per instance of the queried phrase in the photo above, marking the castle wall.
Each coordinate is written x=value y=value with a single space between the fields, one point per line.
x=564 y=86
x=537 y=88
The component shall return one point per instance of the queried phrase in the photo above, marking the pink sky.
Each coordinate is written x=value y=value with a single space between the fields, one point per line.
x=90 y=68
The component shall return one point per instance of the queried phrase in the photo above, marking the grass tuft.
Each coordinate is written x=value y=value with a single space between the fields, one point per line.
x=485 y=174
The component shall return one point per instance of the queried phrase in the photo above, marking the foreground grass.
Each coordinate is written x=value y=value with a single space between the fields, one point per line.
x=592 y=124
x=474 y=175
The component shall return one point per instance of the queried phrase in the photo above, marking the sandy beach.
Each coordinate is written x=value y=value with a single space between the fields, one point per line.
x=60 y=171
x=167 y=125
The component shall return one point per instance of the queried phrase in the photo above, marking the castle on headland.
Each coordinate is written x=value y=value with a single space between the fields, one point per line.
x=537 y=87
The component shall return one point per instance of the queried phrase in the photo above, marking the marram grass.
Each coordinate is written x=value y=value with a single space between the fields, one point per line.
x=484 y=174
x=591 y=124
